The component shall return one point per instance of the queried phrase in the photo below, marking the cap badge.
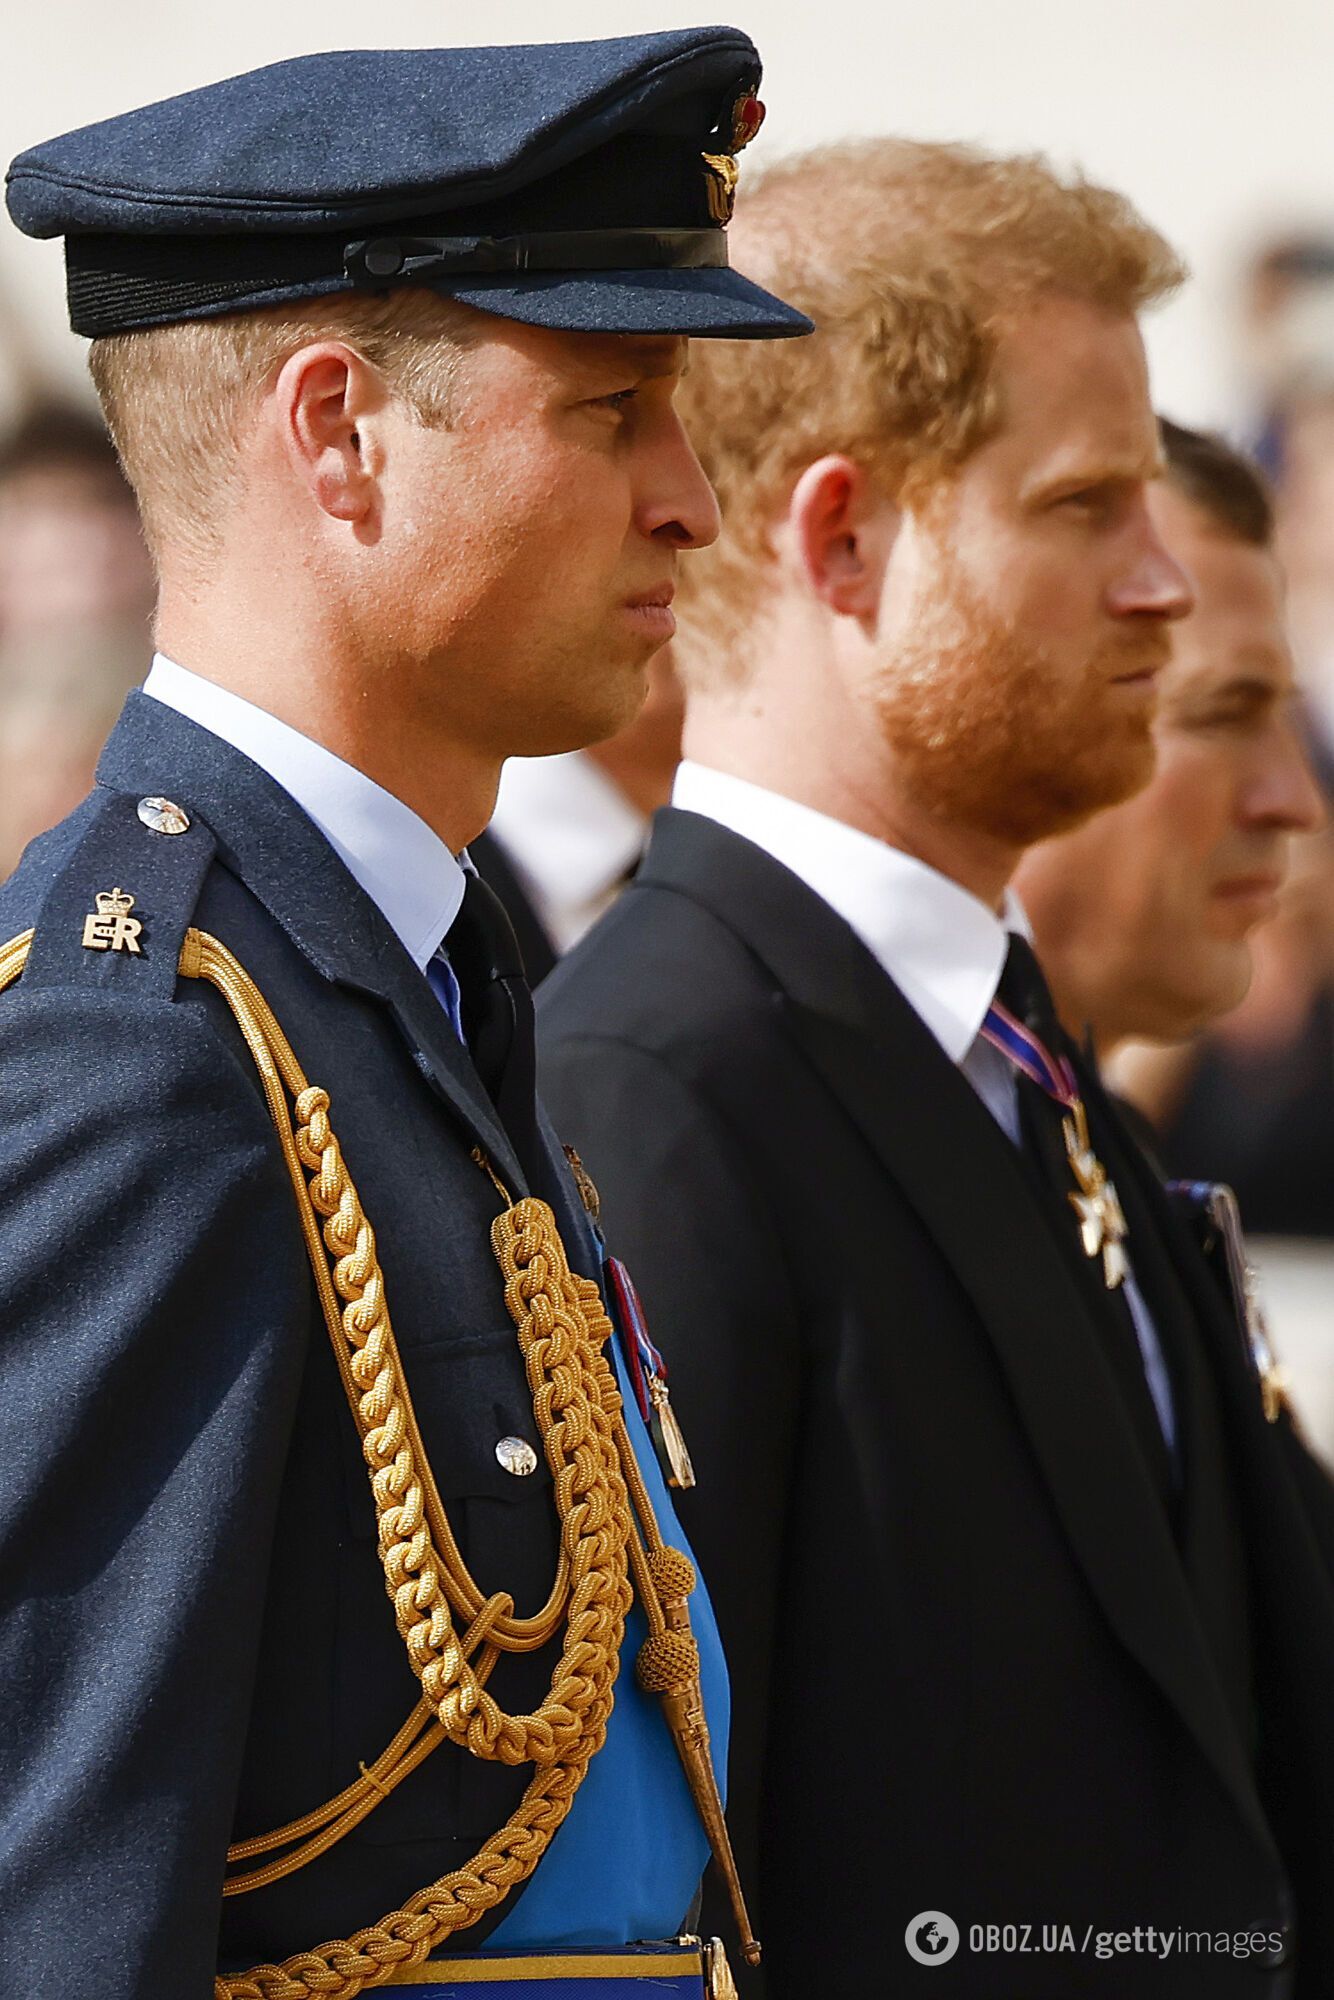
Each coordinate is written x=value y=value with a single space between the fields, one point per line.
x=720 y=185
x=111 y=927
x=745 y=120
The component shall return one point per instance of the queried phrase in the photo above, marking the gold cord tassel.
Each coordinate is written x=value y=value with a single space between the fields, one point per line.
x=668 y=1666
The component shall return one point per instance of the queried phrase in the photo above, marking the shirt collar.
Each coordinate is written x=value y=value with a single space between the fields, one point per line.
x=403 y=866
x=571 y=831
x=942 y=947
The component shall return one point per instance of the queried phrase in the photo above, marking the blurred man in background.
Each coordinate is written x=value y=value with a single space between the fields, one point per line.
x=76 y=593
x=568 y=832
x=1251 y=1101
x=1142 y=918
x=1014 y=1571
x=1151 y=920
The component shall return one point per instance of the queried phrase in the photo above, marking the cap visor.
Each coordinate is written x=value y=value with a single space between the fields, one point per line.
x=700 y=302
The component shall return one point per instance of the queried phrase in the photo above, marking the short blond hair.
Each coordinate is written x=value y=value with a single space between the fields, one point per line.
x=910 y=257
x=176 y=397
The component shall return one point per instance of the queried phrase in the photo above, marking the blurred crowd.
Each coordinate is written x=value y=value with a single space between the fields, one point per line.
x=1250 y=1101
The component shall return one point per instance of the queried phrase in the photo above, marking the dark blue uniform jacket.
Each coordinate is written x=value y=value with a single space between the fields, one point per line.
x=195 y=1641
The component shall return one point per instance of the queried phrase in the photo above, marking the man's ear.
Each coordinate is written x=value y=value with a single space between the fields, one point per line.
x=842 y=529
x=324 y=394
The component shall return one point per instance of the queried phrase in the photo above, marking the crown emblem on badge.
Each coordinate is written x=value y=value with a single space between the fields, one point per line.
x=743 y=122
x=111 y=927
x=747 y=118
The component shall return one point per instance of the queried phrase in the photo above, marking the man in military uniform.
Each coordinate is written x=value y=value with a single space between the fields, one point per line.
x=388 y=342
x=1027 y=1620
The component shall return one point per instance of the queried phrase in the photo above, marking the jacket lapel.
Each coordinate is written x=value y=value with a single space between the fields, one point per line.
x=936 y=1140
x=282 y=858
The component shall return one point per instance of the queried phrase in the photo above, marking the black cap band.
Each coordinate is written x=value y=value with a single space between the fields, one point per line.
x=116 y=284
x=406 y=260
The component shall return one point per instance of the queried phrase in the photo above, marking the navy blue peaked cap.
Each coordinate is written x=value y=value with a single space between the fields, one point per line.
x=584 y=185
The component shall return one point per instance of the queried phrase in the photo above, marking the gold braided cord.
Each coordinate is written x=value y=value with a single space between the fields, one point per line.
x=13 y=958
x=319 y=1830
x=576 y=1434
x=607 y=1523
x=543 y=1297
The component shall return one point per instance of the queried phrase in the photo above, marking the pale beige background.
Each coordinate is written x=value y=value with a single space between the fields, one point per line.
x=1216 y=115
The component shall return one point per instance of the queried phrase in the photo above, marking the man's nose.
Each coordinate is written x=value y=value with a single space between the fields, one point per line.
x=1155 y=585
x=1283 y=792
x=681 y=507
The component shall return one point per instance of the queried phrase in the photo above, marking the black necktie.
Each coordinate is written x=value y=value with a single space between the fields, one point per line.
x=497 y=1009
x=1024 y=989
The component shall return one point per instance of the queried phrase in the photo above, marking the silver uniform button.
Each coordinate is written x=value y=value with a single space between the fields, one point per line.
x=517 y=1456
x=163 y=816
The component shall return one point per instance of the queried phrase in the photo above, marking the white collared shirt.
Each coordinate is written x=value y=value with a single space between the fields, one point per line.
x=404 y=867
x=942 y=947
x=572 y=837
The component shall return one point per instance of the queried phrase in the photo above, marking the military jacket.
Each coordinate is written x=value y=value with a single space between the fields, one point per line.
x=195 y=1641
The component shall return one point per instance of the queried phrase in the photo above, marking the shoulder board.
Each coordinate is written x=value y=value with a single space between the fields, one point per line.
x=113 y=913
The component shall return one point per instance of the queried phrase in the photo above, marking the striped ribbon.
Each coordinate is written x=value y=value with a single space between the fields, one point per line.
x=642 y=1357
x=1029 y=1053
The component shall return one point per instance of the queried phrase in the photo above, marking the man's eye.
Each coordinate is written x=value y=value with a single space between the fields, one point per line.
x=621 y=399
x=1223 y=715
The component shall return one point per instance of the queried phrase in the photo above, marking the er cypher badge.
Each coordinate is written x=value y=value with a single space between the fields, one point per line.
x=111 y=927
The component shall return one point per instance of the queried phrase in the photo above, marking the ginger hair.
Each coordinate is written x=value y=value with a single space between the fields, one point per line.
x=911 y=258
x=176 y=398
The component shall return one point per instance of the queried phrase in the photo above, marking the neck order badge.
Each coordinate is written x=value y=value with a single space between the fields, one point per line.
x=1102 y=1226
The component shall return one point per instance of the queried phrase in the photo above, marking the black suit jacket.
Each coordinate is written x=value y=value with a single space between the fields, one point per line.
x=195 y=1641
x=970 y=1671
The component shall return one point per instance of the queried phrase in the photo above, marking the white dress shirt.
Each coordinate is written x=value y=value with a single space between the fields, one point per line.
x=943 y=948
x=404 y=867
x=572 y=837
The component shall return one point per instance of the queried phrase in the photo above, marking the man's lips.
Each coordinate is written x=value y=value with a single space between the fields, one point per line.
x=1241 y=902
x=1260 y=887
x=1141 y=664
x=652 y=611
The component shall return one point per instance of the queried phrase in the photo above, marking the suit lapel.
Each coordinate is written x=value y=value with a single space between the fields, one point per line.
x=282 y=858
x=936 y=1140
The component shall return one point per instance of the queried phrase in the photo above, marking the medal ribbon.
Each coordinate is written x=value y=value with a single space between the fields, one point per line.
x=642 y=1357
x=1051 y=1073
x=648 y=1372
